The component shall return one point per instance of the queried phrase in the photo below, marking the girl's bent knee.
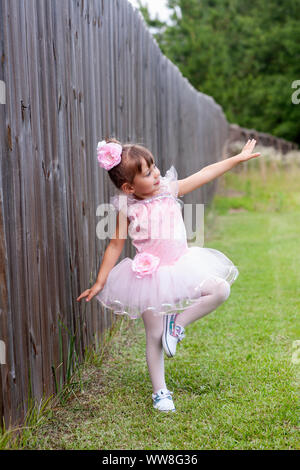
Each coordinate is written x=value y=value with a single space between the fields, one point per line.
x=223 y=290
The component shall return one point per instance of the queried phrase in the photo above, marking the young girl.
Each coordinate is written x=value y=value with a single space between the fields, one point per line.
x=168 y=284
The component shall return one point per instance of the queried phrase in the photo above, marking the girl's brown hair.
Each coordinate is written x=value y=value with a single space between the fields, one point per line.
x=130 y=164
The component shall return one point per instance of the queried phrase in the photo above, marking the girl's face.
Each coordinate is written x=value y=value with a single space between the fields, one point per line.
x=146 y=183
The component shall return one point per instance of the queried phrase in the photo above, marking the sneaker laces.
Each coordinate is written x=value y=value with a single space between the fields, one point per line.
x=179 y=332
x=161 y=394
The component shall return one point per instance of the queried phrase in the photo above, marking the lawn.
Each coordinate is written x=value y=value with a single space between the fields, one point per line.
x=235 y=376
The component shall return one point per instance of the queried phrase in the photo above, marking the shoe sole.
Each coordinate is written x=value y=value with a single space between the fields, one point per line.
x=164 y=339
x=164 y=411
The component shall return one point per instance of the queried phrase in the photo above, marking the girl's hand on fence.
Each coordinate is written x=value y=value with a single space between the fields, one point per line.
x=90 y=293
x=246 y=153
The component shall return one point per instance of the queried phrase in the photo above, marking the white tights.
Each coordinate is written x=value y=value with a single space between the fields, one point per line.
x=214 y=292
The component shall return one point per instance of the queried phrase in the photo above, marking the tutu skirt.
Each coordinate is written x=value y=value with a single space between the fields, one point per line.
x=171 y=288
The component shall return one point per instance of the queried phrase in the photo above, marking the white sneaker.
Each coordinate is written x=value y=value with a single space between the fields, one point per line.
x=162 y=400
x=172 y=335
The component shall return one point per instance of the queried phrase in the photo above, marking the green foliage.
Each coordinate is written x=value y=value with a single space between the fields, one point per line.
x=244 y=54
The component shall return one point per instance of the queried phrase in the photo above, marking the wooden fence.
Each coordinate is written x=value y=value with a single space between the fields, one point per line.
x=242 y=134
x=75 y=72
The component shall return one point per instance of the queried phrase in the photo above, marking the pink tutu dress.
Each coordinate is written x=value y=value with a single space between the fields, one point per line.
x=166 y=275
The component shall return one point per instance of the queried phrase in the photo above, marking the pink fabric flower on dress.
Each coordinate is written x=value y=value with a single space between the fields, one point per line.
x=109 y=155
x=144 y=264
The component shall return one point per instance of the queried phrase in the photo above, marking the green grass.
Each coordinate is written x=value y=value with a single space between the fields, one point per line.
x=277 y=192
x=234 y=381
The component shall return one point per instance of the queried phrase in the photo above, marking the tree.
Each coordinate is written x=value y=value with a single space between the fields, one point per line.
x=244 y=54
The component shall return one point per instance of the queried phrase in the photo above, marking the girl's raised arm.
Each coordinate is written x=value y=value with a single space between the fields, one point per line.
x=110 y=257
x=215 y=170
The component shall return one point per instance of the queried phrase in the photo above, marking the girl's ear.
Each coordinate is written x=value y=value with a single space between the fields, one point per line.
x=127 y=188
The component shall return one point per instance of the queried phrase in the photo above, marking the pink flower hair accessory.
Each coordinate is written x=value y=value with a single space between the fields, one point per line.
x=144 y=264
x=109 y=154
